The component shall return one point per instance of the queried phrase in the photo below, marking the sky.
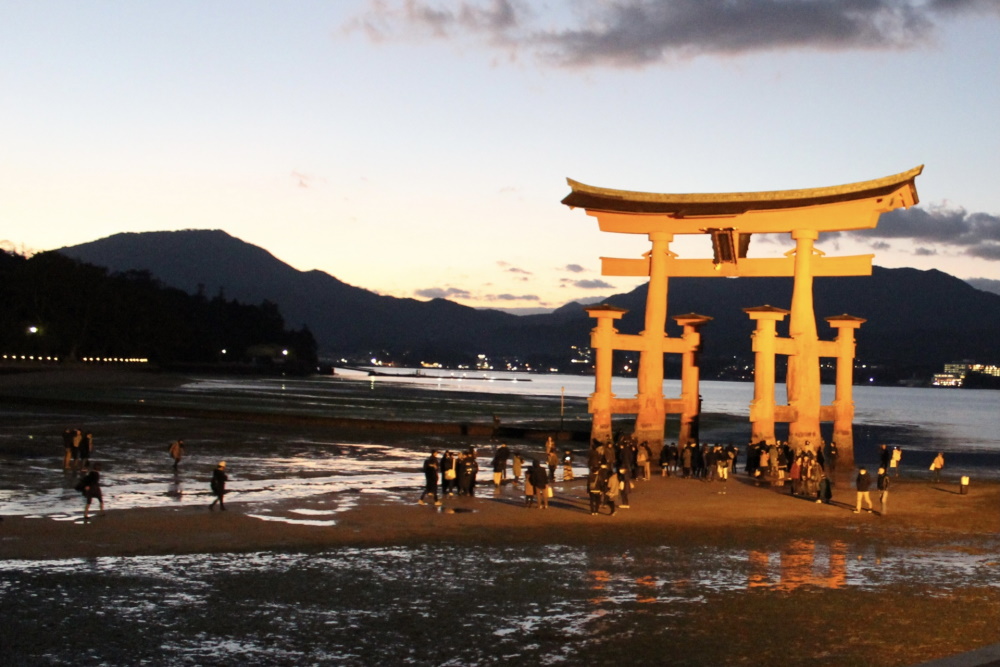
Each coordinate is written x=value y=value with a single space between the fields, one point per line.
x=420 y=148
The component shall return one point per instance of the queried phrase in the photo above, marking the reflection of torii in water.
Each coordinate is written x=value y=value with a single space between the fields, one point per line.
x=730 y=219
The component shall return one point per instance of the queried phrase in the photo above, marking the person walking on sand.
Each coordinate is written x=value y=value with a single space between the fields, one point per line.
x=516 y=466
x=218 y=484
x=430 y=479
x=882 y=484
x=863 y=484
x=90 y=487
x=936 y=466
x=540 y=483
x=176 y=450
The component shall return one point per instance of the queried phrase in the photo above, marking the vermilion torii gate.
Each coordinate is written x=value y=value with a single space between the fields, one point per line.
x=730 y=219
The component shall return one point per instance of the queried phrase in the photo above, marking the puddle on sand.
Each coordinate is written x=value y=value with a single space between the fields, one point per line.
x=396 y=605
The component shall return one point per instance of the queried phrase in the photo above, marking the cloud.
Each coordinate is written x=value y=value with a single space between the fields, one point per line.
x=574 y=268
x=592 y=284
x=640 y=33
x=973 y=234
x=509 y=268
x=512 y=297
x=443 y=293
x=925 y=252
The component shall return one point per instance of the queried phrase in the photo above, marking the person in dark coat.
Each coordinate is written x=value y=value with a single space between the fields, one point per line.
x=500 y=460
x=430 y=479
x=540 y=482
x=882 y=484
x=598 y=486
x=831 y=463
x=863 y=484
x=625 y=484
x=825 y=493
x=468 y=468
x=218 y=485
x=90 y=487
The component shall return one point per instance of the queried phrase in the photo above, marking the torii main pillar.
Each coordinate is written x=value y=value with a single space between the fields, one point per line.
x=730 y=219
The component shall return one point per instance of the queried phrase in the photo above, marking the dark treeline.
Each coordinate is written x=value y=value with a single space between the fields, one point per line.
x=53 y=305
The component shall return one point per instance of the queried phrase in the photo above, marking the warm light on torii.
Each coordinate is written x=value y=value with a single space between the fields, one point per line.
x=731 y=219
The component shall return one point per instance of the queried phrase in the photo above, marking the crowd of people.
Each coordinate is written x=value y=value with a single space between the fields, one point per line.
x=614 y=467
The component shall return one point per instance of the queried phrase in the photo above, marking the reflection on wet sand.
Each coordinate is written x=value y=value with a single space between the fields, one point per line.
x=797 y=566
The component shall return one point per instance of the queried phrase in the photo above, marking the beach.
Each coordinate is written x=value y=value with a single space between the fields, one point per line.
x=351 y=572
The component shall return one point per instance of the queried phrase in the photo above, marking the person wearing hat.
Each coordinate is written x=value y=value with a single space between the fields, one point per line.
x=219 y=479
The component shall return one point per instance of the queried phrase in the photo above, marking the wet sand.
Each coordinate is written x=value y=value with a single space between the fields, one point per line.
x=662 y=510
x=904 y=621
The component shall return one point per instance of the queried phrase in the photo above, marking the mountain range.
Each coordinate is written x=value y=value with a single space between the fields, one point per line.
x=916 y=320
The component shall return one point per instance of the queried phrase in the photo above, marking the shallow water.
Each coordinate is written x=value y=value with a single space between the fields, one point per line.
x=270 y=467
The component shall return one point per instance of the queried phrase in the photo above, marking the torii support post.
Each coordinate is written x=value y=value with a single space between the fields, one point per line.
x=649 y=422
x=843 y=403
x=765 y=348
x=690 y=378
x=602 y=339
x=802 y=381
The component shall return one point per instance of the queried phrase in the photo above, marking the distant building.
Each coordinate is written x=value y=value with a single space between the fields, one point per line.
x=954 y=373
x=947 y=380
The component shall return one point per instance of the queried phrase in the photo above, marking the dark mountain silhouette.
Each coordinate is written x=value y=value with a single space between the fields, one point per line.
x=917 y=320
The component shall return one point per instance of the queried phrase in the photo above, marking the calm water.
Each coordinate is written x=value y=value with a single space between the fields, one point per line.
x=946 y=419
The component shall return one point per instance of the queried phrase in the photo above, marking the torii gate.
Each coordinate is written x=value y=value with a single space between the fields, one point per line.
x=730 y=219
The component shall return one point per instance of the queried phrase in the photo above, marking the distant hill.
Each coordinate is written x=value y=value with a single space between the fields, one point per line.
x=345 y=320
x=917 y=320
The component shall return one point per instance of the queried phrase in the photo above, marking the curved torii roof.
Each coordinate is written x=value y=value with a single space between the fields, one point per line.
x=734 y=203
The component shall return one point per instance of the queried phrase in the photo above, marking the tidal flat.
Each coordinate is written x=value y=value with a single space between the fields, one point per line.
x=324 y=558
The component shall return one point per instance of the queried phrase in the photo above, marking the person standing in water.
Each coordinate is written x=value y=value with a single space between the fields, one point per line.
x=176 y=452
x=218 y=484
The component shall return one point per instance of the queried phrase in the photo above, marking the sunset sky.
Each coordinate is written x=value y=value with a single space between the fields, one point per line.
x=420 y=148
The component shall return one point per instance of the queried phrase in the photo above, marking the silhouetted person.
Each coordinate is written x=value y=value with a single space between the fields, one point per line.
x=90 y=487
x=176 y=452
x=218 y=484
